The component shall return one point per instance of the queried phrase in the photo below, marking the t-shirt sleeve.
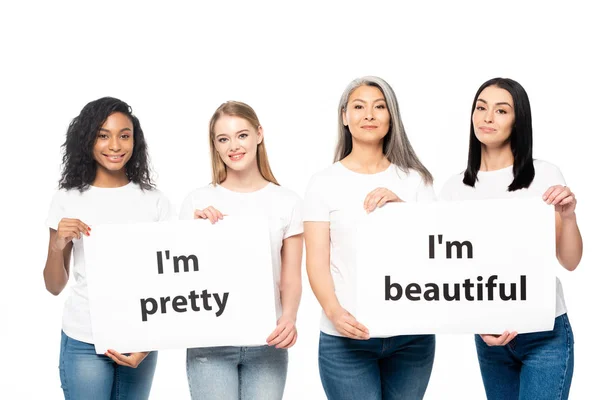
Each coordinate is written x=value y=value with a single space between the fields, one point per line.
x=315 y=206
x=187 y=208
x=295 y=225
x=554 y=176
x=57 y=210
x=446 y=194
x=166 y=211
x=425 y=192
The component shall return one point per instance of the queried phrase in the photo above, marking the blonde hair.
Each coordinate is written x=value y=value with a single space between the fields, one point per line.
x=241 y=110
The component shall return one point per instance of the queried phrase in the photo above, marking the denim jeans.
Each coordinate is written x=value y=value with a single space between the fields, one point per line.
x=232 y=373
x=397 y=367
x=533 y=366
x=87 y=375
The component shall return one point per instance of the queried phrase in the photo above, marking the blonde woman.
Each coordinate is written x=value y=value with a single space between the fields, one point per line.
x=243 y=184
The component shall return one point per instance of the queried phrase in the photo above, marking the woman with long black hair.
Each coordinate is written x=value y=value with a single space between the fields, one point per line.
x=532 y=365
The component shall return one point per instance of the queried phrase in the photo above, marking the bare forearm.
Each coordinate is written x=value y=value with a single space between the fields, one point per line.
x=56 y=274
x=569 y=247
x=290 y=298
x=322 y=286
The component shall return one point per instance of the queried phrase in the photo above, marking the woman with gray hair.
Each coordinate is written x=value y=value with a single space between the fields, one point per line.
x=374 y=164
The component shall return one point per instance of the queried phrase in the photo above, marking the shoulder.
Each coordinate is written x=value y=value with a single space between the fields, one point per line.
x=452 y=184
x=547 y=174
x=284 y=193
x=545 y=168
x=325 y=178
x=332 y=171
x=201 y=192
x=410 y=177
x=455 y=180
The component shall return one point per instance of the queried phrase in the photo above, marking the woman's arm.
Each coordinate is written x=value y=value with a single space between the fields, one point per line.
x=317 y=265
x=284 y=336
x=56 y=271
x=569 y=245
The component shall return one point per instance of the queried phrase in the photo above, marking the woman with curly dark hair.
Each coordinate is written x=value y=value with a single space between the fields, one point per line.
x=105 y=179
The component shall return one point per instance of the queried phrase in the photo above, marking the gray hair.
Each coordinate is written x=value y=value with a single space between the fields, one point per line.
x=396 y=146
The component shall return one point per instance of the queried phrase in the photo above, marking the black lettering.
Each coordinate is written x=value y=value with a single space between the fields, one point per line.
x=388 y=289
x=221 y=304
x=185 y=259
x=411 y=290
x=432 y=293
x=178 y=302
x=145 y=311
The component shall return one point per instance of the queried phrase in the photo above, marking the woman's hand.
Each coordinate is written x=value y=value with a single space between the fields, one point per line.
x=498 y=340
x=132 y=360
x=69 y=229
x=347 y=325
x=562 y=199
x=378 y=197
x=210 y=213
x=284 y=336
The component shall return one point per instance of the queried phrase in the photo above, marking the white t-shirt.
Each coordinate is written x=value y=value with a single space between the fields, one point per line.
x=95 y=206
x=336 y=195
x=494 y=185
x=281 y=206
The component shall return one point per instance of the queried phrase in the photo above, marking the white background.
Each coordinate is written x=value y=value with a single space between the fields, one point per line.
x=176 y=63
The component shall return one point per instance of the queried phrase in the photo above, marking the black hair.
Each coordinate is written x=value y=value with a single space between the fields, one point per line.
x=79 y=165
x=521 y=137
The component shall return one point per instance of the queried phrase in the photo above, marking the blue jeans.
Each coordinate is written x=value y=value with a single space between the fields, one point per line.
x=233 y=373
x=397 y=367
x=532 y=366
x=87 y=375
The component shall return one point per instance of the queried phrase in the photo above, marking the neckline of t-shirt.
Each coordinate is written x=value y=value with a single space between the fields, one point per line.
x=348 y=170
x=262 y=189
x=127 y=186
x=496 y=171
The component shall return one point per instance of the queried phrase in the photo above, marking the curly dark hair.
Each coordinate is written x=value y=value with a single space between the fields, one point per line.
x=79 y=165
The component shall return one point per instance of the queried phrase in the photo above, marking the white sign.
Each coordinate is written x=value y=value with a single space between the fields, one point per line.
x=457 y=267
x=180 y=284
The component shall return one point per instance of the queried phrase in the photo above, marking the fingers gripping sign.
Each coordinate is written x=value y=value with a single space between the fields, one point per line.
x=378 y=198
x=210 y=213
x=562 y=198
x=132 y=360
x=284 y=336
x=347 y=325
x=69 y=229
x=498 y=340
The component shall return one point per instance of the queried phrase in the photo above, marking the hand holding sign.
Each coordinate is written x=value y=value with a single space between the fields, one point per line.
x=347 y=325
x=284 y=336
x=210 y=213
x=562 y=199
x=378 y=197
x=498 y=340
x=69 y=229
x=132 y=360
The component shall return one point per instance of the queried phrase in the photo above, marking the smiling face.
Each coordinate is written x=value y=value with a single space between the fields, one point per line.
x=236 y=141
x=366 y=115
x=114 y=143
x=494 y=117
